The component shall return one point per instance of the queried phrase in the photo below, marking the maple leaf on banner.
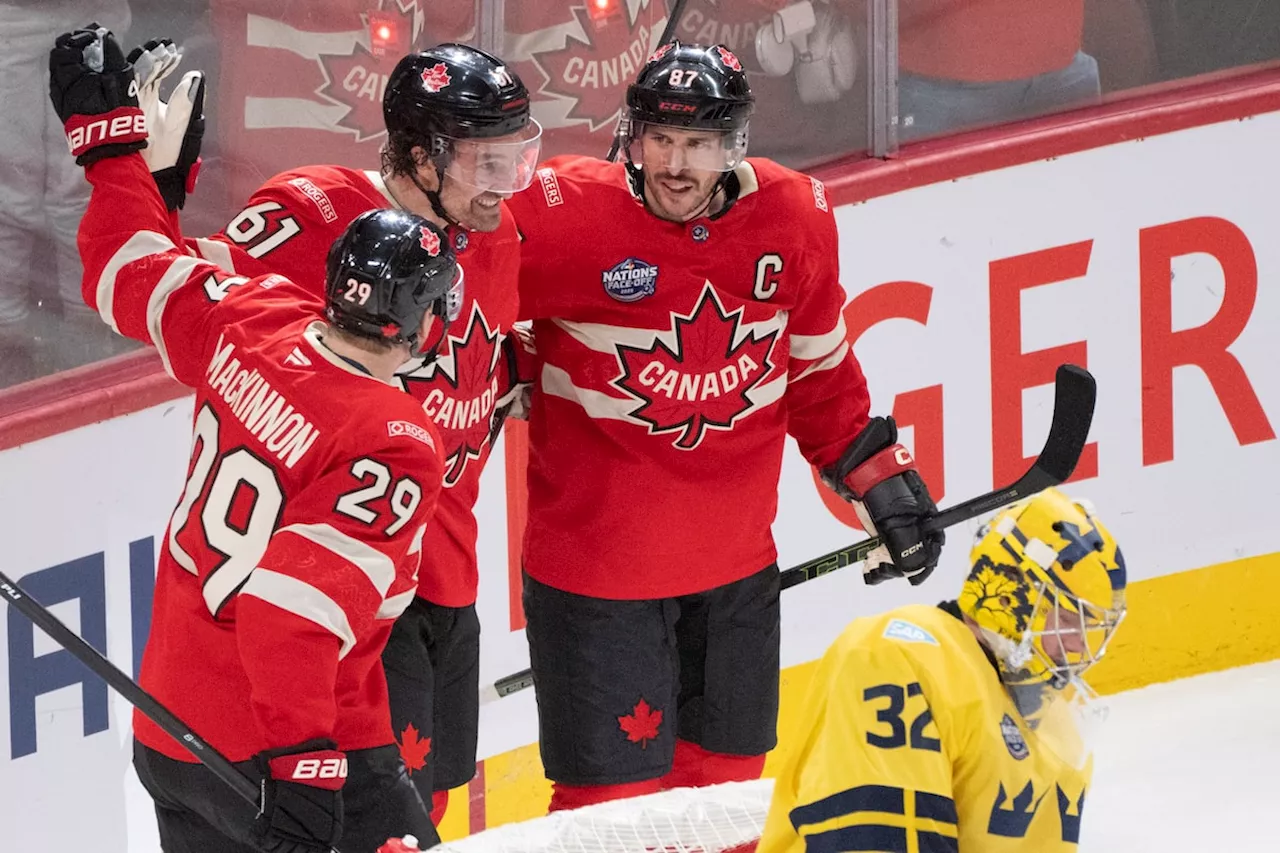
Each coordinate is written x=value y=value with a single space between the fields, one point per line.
x=459 y=390
x=595 y=72
x=357 y=80
x=703 y=382
x=641 y=725
x=414 y=750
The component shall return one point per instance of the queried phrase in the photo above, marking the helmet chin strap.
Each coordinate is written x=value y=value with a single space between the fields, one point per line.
x=433 y=196
x=421 y=360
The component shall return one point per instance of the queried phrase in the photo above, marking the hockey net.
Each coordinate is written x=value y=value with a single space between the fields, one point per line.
x=725 y=818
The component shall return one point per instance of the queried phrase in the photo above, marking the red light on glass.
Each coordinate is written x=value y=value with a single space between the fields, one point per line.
x=601 y=11
x=384 y=35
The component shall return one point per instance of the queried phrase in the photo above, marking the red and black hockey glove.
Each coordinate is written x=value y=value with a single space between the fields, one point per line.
x=879 y=477
x=96 y=96
x=301 y=807
x=175 y=128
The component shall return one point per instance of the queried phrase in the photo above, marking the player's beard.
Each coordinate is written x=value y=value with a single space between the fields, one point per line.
x=481 y=212
x=679 y=198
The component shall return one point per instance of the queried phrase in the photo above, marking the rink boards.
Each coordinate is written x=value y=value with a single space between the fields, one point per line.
x=1151 y=260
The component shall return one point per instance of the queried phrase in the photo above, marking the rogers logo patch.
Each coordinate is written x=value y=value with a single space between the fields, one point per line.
x=412 y=430
x=550 y=186
x=317 y=195
x=819 y=195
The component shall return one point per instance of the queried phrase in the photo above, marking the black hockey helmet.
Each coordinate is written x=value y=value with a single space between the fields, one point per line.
x=388 y=270
x=455 y=91
x=454 y=96
x=693 y=87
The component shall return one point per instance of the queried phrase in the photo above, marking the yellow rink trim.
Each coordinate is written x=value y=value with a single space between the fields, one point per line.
x=1177 y=626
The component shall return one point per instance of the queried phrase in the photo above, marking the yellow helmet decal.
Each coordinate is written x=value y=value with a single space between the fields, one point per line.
x=1046 y=586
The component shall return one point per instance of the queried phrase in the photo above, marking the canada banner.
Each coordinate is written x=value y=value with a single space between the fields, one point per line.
x=302 y=83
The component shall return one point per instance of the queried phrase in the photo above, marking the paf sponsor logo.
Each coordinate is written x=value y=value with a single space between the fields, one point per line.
x=631 y=280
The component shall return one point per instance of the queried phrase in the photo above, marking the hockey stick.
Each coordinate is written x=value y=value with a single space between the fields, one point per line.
x=1075 y=393
x=673 y=17
x=129 y=689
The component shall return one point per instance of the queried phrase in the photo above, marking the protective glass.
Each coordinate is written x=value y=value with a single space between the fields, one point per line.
x=677 y=148
x=504 y=165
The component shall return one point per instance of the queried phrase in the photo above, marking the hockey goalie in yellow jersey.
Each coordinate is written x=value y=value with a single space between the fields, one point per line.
x=955 y=728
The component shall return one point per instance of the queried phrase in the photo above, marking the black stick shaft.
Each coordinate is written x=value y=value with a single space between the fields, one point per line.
x=1075 y=394
x=129 y=689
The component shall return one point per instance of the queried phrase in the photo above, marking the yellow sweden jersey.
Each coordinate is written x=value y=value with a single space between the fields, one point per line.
x=909 y=743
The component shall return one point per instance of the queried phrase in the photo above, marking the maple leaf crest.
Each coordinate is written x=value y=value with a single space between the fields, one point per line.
x=661 y=52
x=356 y=79
x=728 y=58
x=436 y=77
x=458 y=391
x=414 y=749
x=430 y=241
x=595 y=66
x=703 y=380
x=641 y=725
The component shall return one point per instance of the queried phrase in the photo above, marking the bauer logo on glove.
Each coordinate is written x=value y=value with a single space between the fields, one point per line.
x=95 y=94
x=122 y=126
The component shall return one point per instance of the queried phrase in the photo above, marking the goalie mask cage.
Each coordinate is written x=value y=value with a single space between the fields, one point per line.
x=725 y=818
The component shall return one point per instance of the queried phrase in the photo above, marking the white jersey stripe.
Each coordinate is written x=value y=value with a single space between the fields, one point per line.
x=809 y=347
x=377 y=566
x=605 y=338
x=139 y=246
x=302 y=599
x=557 y=383
x=829 y=363
x=765 y=395
x=216 y=251
x=178 y=274
x=394 y=605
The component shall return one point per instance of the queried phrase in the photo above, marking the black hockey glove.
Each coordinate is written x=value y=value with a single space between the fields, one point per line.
x=95 y=94
x=175 y=127
x=879 y=477
x=301 y=808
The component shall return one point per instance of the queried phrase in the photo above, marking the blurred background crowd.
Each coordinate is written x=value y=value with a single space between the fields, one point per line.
x=294 y=82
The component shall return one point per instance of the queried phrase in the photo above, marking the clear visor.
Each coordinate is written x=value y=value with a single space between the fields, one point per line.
x=454 y=296
x=502 y=165
x=430 y=343
x=676 y=149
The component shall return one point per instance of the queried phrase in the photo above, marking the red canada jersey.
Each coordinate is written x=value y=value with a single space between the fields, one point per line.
x=296 y=540
x=287 y=228
x=675 y=359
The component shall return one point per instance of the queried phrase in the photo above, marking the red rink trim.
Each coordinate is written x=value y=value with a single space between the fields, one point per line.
x=84 y=395
x=133 y=382
x=857 y=178
x=476 y=816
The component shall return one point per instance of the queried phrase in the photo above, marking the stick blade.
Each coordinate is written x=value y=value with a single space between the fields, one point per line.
x=1075 y=393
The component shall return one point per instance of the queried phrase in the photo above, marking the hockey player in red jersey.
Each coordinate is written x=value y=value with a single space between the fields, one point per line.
x=687 y=312
x=460 y=141
x=296 y=541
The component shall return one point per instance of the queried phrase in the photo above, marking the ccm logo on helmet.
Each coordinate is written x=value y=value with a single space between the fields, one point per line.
x=673 y=107
x=320 y=768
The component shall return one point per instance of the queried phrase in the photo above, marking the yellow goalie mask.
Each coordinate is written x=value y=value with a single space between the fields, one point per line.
x=1046 y=588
